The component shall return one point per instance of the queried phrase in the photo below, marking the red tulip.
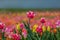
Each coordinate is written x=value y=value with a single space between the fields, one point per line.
x=1 y=25
x=42 y=20
x=30 y=14
x=39 y=29
x=15 y=36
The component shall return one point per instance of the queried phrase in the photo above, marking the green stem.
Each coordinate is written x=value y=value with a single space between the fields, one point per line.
x=3 y=38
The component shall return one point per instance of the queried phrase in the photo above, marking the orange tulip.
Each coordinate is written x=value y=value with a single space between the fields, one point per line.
x=41 y=34
x=55 y=30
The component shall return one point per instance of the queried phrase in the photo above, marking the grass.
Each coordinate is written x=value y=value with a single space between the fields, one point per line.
x=27 y=9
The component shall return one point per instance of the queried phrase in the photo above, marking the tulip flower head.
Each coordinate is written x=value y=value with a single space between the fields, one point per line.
x=24 y=32
x=42 y=20
x=55 y=30
x=34 y=28
x=8 y=31
x=48 y=28
x=58 y=23
x=2 y=25
x=39 y=29
x=21 y=26
x=16 y=36
x=18 y=26
x=30 y=14
x=43 y=28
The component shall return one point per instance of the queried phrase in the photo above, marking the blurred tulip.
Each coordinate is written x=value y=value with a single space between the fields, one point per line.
x=39 y=29
x=18 y=26
x=42 y=20
x=8 y=31
x=24 y=33
x=15 y=37
x=30 y=14
x=34 y=28
x=2 y=25
x=55 y=30
x=43 y=28
x=21 y=26
x=48 y=28
x=58 y=23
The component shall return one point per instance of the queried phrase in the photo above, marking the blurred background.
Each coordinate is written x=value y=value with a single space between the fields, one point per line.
x=14 y=11
x=29 y=3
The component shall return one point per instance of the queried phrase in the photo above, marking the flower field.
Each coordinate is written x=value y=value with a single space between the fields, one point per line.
x=30 y=25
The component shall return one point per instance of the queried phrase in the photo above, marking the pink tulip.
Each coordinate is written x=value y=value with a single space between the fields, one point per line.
x=2 y=25
x=30 y=14
x=58 y=23
x=8 y=31
x=42 y=20
x=49 y=23
x=21 y=26
x=24 y=33
x=39 y=29
x=16 y=36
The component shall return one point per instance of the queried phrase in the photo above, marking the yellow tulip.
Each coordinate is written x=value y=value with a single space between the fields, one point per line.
x=34 y=28
x=48 y=28
x=43 y=28
x=18 y=27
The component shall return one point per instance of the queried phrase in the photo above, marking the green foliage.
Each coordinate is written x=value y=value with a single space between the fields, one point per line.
x=27 y=9
x=3 y=38
x=46 y=35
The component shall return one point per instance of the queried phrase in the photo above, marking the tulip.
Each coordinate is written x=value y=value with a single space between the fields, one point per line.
x=21 y=26
x=42 y=20
x=48 y=28
x=24 y=33
x=8 y=31
x=55 y=30
x=18 y=26
x=43 y=28
x=30 y=14
x=2 y=25
x=8 y=35
x=58 y=23
x=39 y=29
x=34 y=28
x=15 y=36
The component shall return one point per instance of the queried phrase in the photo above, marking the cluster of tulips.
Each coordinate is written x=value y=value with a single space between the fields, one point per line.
x=24 y=31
